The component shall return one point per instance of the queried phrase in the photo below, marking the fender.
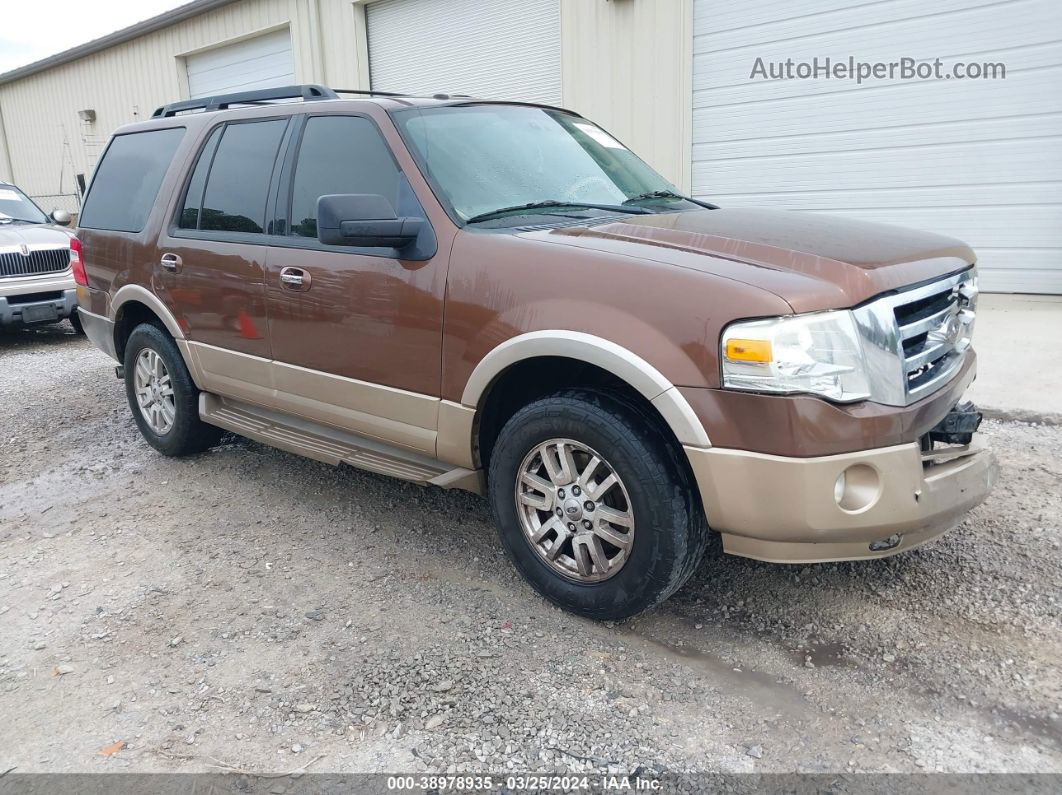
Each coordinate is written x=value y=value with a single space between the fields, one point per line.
x=134 y=292
x=613 y=358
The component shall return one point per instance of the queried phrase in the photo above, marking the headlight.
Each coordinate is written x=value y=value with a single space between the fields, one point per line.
x=818 y=353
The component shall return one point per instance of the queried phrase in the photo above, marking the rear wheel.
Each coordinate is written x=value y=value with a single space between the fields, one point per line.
x=593 y=505
x=162 y=396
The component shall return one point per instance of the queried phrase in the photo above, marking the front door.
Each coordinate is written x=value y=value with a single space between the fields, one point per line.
x=358 y=343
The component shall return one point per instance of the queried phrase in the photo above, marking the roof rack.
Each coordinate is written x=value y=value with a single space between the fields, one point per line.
x=399 y=94
x=370 y=93
x=308 y=93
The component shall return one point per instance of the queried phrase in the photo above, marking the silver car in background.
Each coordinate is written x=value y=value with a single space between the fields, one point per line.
x=36 y=283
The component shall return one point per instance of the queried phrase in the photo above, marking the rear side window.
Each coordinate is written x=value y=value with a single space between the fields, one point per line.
x=193 y=199
x=127 y=180
x=340 y=154
x=234 y=198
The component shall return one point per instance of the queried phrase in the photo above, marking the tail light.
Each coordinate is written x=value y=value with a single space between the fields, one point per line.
x=77 y=264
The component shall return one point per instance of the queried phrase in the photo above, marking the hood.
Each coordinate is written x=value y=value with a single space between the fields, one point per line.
x=812 y=261
x=34 y=236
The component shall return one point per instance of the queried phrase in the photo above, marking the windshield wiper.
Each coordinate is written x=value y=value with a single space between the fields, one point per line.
x=668 y=194
x=549 y=203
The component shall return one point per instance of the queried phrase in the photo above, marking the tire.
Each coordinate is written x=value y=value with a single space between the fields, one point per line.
x=669 y=530
x=186 y=433
x=75 y=321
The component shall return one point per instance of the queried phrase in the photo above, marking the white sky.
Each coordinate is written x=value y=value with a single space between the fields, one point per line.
x=35 y=29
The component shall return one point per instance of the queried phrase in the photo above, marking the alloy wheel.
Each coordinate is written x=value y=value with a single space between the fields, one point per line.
x=154 y=391
x=574 y=510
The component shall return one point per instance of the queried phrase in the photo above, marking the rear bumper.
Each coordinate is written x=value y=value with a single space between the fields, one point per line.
x=786 y=510
x=99 y=330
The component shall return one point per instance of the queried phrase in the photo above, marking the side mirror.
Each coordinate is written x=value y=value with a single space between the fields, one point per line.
x=363 y=219
x=61 y=217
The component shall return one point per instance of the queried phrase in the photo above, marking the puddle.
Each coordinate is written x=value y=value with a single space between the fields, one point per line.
x=1034 y=724
x=753 y=684
x=823 y=655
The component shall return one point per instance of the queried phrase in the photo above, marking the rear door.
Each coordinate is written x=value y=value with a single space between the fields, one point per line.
x=212 y=258
x=358 y=345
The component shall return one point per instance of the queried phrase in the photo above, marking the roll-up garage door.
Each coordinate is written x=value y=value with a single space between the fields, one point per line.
x=496 y=49
x=979 y=159
x=262 y=62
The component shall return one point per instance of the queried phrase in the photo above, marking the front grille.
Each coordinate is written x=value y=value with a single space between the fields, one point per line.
x=934 y=326
x=916 y=339
x=38 y=261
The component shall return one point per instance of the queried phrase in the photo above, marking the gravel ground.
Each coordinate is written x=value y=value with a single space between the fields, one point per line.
x=249 y=609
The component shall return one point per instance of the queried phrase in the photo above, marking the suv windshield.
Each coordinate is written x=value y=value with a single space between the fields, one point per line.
x=15 y=206
x=485 y=158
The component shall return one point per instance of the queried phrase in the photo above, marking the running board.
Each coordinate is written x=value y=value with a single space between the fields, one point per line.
x=332 y=446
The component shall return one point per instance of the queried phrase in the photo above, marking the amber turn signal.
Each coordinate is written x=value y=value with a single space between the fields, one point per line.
x=748 y=350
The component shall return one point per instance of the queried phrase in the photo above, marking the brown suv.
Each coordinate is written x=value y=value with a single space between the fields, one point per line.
x=501 y=297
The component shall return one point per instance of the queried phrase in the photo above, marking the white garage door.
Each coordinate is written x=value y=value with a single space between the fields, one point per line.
x=494 y=49
x=261 y=62
x=977 y=159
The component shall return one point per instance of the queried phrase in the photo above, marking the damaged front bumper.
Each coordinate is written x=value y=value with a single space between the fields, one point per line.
x=866 y=504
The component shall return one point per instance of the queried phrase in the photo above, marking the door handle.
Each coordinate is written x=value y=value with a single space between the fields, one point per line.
x=171 y=262
x=295 y=279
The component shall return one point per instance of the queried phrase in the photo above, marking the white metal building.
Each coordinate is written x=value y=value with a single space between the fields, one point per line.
x=980 y=159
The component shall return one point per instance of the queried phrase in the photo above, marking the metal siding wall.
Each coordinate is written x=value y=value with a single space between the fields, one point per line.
x=627 y=66
x=494 y=49
x=979 y=160
x=342 y=24
x=5 y=162
x=127 y=82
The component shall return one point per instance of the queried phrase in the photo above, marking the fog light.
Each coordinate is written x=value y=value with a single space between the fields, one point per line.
x=857 y=488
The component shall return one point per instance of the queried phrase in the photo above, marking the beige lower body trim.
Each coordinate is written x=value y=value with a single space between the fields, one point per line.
x=391 y=415
x=190 y=362
x=229 y=373
x=786 y=510
x=824 y=551
x=456 y=424
x=397 y=416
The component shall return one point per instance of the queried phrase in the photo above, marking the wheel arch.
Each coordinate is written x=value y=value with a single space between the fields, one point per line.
x=141 y=295
x=132 y=305
x=623 y=365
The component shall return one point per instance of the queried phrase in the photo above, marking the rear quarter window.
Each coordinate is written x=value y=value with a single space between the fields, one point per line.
x=127 y=180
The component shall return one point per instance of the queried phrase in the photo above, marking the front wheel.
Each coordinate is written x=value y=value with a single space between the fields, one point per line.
x=593 y=506
x=163 y=398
